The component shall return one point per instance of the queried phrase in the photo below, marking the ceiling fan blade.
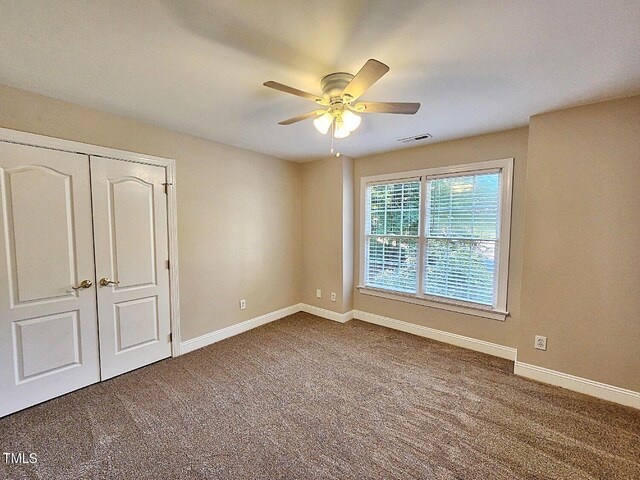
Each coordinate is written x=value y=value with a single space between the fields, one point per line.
x=299 y=118
x=294 y=91
x=383 y=107
x=369 y=74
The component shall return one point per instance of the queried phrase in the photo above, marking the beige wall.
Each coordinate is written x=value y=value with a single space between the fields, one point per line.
x=238 y=212
x=581 y=283
x=348 y=198
x=327 y=236
x=509 y=144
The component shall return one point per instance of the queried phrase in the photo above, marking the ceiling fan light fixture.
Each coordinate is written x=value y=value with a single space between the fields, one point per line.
x=351 y=120
x=340 y=91
x=323 y=123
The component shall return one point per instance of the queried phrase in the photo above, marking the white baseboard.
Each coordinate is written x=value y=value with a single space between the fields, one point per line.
x=579 y=384
x=328 y=314
x=451 y=338
x=213 y=337
x=439 y=335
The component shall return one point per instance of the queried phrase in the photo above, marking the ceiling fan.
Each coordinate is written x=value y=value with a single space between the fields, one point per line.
x=339 y=92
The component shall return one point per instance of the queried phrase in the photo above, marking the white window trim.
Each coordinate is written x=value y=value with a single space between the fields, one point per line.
x=497 y=311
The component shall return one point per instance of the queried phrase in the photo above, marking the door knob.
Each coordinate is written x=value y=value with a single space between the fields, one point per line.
x=105 y=282
x=84 y=284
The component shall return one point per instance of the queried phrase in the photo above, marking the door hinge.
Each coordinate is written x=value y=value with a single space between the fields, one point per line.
x=168 y=265
x=166 y=187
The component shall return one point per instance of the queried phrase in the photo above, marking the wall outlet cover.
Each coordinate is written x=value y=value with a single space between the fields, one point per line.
x=333 y=297
x=318 y=293
x=243 y=304
x=540 y=342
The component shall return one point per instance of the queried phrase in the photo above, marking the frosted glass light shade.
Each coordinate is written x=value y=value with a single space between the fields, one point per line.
x=351 y=120
x=323 y=123
x=341 y=130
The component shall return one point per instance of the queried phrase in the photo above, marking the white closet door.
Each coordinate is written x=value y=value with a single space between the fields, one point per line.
x=131 y=241
x=48 y=330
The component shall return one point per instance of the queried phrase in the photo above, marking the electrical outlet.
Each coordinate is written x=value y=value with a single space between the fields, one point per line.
x=318 y=293
x=333 y=297
x=243 y=304
x=540 y=342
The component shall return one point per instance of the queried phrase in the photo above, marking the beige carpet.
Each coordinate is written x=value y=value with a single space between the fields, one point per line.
x=306 y=398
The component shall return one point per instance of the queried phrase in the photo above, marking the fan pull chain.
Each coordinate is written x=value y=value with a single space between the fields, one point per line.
x=333 y=127
x=333 y=132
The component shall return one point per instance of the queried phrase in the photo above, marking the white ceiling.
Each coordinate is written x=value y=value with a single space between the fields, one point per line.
x=198 y=66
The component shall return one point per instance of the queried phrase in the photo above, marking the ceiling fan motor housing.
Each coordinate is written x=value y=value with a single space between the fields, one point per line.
x=334 y=84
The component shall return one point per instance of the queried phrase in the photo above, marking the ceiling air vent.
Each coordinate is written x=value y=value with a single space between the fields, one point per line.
x=415 y=138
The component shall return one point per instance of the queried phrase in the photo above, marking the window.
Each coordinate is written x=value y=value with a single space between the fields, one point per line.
x=393 y=235
x=439 y=237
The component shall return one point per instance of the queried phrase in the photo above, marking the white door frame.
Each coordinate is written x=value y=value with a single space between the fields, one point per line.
x=51 y=143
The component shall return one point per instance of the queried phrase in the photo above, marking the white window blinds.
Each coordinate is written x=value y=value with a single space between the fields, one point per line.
x=439 y=236
x=462 y=227
x=392 y=235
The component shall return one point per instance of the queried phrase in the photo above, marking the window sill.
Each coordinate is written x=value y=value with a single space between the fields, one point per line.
x=442 y=305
